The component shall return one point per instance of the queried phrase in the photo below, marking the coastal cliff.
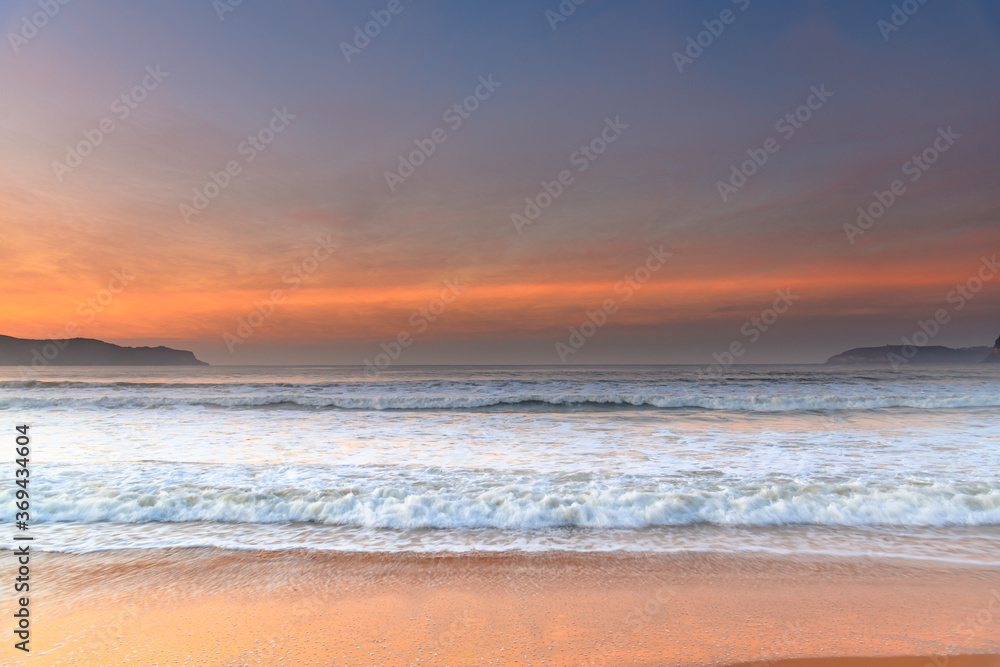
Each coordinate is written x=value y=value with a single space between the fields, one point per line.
x=88 y=352
x=932 y=354
x=994 y=356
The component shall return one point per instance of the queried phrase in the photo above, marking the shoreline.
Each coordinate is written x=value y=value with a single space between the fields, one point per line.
x=958 y=545
x=218 y=607
x=900 y=559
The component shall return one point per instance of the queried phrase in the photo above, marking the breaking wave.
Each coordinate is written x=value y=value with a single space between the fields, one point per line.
x=313 y=401
x=526 y=504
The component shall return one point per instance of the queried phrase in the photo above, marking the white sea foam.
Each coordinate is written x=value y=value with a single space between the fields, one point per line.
x=248 y=455
x=962 y=545
x=452 y=500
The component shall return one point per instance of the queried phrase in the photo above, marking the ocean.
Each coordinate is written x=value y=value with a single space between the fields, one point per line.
x=781 y=459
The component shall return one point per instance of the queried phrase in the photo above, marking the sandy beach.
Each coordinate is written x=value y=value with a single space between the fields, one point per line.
x=219 y=607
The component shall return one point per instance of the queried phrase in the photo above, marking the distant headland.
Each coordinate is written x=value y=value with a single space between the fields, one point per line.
x=994 y=357
x=88 y=352
x=931 y=354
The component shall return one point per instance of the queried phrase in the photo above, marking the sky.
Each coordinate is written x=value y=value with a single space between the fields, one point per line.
x=620 y=182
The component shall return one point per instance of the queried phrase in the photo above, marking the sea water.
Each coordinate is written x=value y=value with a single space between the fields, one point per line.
x=787 y=459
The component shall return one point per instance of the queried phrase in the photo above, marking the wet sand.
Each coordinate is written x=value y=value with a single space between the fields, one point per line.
x=218 y=607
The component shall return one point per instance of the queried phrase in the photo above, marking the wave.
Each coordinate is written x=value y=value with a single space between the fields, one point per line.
x=615 y=400
x=526 y=506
